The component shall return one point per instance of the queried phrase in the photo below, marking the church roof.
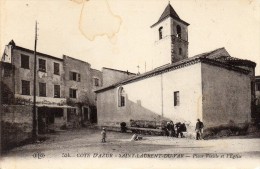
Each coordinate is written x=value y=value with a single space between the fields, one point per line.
x=216 y=57
x=215 y=54
x=222 y=55
x=169 y=12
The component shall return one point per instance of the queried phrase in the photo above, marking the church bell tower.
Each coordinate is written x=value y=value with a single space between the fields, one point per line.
x=171 y=37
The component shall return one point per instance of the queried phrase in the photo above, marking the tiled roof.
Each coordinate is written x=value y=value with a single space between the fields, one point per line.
x=215 y=54
x=213 y=57
x=38 y=53
x=169 y=12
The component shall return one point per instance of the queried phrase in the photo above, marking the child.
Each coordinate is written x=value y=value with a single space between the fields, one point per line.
x=103 y=135
x=136 y=137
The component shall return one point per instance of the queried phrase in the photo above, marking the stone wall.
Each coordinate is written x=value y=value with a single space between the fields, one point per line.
x=16 y=125
x=226 y=96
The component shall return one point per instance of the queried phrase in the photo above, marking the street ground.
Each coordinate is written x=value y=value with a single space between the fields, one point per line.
x=86 y=144
x=89 y=140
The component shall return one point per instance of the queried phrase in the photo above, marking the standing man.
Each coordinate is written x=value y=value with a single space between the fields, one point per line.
x=168 y=129
x=198 y=129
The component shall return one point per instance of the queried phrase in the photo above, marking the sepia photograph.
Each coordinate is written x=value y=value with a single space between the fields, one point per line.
x=130 y=84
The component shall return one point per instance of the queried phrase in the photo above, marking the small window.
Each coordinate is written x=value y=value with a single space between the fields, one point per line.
x=25 y=87
x=180 y=51
x=42 y=89
x=121 y=97
x=258 y=87
x=56 y=91
x=178 y=31
x=78 y=77
x=160 y=32
x=96 y=81
x=56 y=67
x=73 y=93
x=25 y=62
x=42 y=65
x=176 y=98
x=75 y=76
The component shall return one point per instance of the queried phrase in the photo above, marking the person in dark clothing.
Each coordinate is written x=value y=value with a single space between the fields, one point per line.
x=198 y=129
x=123 y=127
x=179 y=129
x=168 y=129
x=172 y=130
x=183 y=129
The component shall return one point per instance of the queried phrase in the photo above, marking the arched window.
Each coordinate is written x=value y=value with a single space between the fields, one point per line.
x=180 y=51
x=178 y=31
x=121 y=97
x=160 y=32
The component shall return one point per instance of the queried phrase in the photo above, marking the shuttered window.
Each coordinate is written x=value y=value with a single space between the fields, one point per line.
x=176 y=98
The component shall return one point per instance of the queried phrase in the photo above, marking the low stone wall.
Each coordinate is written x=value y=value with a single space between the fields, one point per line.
x=16 y=125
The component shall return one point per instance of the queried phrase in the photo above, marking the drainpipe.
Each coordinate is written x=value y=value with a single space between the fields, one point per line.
x=162 y=93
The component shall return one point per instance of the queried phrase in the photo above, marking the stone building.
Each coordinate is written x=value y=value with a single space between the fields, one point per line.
x=212 y=86
x=170 y=38
x=257 y=89
x=112 y=76
x=257 y=100
x=64 y=87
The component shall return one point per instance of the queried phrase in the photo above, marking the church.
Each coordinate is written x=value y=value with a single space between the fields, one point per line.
x=213 y=86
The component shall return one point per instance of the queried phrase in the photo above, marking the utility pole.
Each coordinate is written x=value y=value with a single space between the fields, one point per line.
x=35 y=119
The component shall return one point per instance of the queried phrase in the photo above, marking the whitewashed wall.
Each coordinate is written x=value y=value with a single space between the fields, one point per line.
x=161 y=48
x=153 y=97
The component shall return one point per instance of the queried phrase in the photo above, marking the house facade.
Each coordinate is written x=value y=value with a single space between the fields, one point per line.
x=112 y=76
x=257 y=100
x=257 y=89
x=183 y=88
x=65 y=87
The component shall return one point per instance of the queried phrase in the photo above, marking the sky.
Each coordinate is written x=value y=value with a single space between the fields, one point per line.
x=117 y=34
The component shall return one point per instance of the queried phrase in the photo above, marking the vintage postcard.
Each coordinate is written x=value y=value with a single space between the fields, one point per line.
x=130 y=84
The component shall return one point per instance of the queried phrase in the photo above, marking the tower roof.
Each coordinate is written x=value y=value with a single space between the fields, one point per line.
x=169 y=12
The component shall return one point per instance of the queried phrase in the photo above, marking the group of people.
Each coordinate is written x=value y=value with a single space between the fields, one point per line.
x=176 y=130
x=169 y=131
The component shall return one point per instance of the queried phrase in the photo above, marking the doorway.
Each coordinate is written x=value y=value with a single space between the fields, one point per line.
x=46 y=118
x=86 y=114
